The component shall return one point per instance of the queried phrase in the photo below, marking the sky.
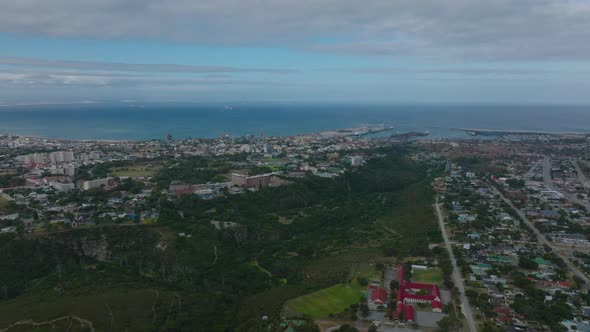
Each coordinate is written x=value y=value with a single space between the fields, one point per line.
x=398 y=51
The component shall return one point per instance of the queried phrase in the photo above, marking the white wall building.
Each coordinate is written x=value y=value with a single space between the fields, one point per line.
x=87 y=185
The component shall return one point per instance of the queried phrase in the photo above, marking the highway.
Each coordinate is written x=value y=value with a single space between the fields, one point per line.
x=541 y=237
x=457 y=278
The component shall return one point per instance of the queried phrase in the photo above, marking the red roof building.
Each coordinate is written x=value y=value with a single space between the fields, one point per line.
x=378 y=297
x=409 y=315
x=412 y=292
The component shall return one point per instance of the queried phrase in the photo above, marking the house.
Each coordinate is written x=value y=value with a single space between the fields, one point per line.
x=474 y=236
x=378 y=298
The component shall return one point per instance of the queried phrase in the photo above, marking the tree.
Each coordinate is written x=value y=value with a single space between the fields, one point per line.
x=364 y=308
x=372 y=328
x=527 y=263
x=347 y=328
x=309 y=326
x=445 y=323
x=363 y=281
x=393 y=284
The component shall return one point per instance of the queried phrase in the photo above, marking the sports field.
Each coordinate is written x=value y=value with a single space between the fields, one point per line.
x=135 y=171
x=430 y=276
x=327 y=301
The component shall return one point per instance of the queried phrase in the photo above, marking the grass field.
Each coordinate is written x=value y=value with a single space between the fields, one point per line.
x=327 y=301
x=135 y=171
x=110 y=310
x=430 y=276
x=3 y=201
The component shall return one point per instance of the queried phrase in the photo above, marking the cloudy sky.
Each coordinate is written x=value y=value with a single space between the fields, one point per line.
x=493 y=51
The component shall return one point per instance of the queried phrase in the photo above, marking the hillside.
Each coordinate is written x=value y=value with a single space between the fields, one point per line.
x=184 y=274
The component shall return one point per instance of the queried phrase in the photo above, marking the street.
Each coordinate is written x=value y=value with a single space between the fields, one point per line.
x=457 y=278
x=541 y=237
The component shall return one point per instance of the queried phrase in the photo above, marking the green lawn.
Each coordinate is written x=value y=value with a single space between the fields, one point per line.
x=430 y=276
x=135 y=171
x=327 y=301
x=3 y=201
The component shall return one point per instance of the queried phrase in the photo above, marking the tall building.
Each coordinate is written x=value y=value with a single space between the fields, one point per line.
x=69 y=170
x=356 y=160
x=61 y=157
x=87 y=185
x=267 y=148
x=35 y=158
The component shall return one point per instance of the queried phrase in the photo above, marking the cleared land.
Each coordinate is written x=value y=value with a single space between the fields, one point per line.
x=430 y=276
x=327 y=301
x=136 y=171
x=131 y=310
x=3 y=201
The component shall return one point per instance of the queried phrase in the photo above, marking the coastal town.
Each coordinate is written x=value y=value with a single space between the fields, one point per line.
x=512 y=252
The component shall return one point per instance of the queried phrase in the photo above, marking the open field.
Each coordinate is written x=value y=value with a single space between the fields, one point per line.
x=327 y=301
x=135 y=171
x=430 y=276
x=111 y=310
x=3 y=201
x=342 y=266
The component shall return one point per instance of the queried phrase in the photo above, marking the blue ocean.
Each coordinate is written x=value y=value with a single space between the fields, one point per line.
x=153 y=121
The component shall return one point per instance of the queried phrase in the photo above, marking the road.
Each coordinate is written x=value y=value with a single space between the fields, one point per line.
x=541 y=237
x=457 y=278
x=529 y=174
x=547 y=173
x=581 y=176
x=548 y=182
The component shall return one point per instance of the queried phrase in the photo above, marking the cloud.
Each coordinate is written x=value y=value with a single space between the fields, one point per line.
x=466 y=29
x=135 y=67
x=57 y=79
x=456 y=71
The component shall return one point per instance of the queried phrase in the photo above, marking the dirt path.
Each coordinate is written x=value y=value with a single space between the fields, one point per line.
x=215 y=253
x=82 y=321
x=261 y=268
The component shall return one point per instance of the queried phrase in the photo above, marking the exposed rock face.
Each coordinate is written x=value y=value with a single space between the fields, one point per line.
x=97 y=248
x=107 y=244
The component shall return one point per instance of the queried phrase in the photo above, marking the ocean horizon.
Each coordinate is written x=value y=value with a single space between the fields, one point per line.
x=142 y=121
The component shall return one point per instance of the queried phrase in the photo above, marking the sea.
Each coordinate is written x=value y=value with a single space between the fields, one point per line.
x=140 y=121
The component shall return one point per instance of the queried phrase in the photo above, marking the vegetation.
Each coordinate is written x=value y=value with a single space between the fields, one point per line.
x=135 y=171
x=429 y=276
x=192 y=170
x=229 y=278
x=327 y=301
x=11 y=180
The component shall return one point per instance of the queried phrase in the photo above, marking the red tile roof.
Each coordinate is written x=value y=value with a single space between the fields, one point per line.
x=406 y=291
x=409 y=313
x=378 y=295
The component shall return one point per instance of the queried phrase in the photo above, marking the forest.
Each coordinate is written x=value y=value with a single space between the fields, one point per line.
x=266 y=247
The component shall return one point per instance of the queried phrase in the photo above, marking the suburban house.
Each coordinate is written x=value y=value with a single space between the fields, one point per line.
x=378 y=298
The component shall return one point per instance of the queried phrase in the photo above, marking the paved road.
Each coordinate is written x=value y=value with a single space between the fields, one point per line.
x=541 y=237
x=531 y=170
x=457 y=278
x=581 y=176
x=547 y=172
